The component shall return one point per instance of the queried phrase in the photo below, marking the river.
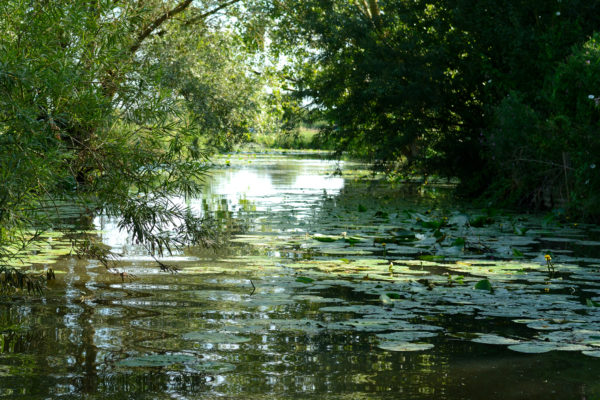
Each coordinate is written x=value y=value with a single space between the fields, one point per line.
x=333 y=286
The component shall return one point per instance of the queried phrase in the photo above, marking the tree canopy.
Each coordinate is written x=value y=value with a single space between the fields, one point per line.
x=480 y=90
x=112 y=106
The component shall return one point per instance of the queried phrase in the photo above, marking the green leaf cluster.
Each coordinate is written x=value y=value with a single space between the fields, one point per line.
x=112 y=107
x=479 y=90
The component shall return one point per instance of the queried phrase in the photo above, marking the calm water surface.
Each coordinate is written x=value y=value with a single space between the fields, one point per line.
x=238 y=323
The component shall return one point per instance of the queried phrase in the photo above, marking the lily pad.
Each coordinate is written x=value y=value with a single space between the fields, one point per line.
x=592 y=353
x=215 y=337
x=494 y=339
x=316 y=299
x=325 y=239
x=534 y=347
x=405 y=346
x=484 y=284
x=405 y=336
x=157 y=360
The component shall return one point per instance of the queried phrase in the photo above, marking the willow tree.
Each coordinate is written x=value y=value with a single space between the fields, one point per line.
x=108 y=105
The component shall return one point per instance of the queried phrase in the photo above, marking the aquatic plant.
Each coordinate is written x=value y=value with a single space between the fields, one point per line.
x=12 y=280
x=550 y=264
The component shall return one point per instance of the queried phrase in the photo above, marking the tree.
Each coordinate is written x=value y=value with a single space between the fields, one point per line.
x=108 y=105
x=384 y=74
x=424 y=86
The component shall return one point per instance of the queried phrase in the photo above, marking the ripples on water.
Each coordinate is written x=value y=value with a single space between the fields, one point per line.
x=206 y=332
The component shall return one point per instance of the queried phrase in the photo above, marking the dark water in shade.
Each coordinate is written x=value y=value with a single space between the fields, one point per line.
x=204 y=332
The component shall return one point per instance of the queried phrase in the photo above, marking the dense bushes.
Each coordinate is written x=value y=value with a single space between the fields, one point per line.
x=499 y=93
x=545 y=154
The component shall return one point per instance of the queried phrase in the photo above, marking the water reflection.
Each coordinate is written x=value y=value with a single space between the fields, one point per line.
x=286 y=188
x=95 y=336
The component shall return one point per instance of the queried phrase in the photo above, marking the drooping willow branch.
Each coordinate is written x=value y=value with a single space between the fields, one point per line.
x=151 y=27
x=147 y=31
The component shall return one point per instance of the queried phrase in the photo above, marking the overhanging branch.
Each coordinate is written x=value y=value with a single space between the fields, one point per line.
x=211 y=12
x=170 y=14
x=158 y=22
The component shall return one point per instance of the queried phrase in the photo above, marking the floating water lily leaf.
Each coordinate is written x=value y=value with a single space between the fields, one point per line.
x=352 y=240
x=480 y=221
x=325 y=239
x=428 y=257
x=405 y=346
x=359 y=309
x=484 y=284
x=494 y=339
x=518 y=230
x=403 y=233
x=574 y=347
x=345 y=251
x=385 y=299
x=394 y=296
x=215 y=337
x=591 y=303
x=316 y=299
x=543 y=325
x=369 y=324
x=304 y=279
x=534 y=347
x=404 y=336
x=405 y=250
x=592 y=353
x=459 y=242
x=158 y=360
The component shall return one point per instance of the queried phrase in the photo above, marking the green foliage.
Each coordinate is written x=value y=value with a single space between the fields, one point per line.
x=555 y=139
x=484 y=284
x=301 y=138
x=304 y=279
x=480 y=90
x=386 y=78
x=110 y=107
x=591 y=303
x=11 y=279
